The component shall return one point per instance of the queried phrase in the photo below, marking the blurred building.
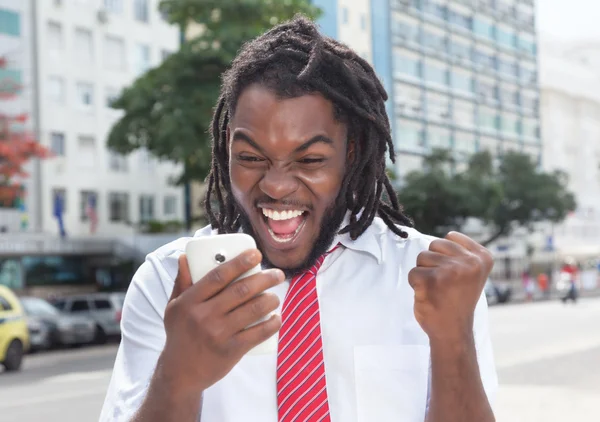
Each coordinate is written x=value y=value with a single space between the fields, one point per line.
x=74 y=57
x=461 y=74
x=570 y=108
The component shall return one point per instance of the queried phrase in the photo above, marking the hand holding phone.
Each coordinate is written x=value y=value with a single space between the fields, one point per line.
x=212 y=323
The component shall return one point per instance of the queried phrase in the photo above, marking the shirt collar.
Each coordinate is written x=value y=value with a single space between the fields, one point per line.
x=369 y=242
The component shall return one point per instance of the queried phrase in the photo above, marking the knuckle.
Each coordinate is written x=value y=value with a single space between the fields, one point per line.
x=218 y=277
x=258 y=307
x=241 y=289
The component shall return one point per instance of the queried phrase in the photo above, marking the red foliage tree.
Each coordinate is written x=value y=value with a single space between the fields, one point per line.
x=17 y=146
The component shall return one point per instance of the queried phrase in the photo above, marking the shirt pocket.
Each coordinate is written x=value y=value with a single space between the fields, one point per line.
x=391 y=383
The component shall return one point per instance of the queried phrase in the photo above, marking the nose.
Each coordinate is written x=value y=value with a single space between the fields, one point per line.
x=278 y=183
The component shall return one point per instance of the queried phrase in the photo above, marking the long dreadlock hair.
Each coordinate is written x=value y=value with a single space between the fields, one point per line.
x=294 y=59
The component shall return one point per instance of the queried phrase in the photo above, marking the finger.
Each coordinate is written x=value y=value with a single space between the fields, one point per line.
x=447 y=247
x=464 y=240
x=418 y=278
x=246 y=289
x=183 y=281
x=430 y=259
x=258 y=333
x=219 y=278
x=252 y=311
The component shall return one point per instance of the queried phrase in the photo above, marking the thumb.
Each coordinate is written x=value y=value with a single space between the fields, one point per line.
x=183 y=281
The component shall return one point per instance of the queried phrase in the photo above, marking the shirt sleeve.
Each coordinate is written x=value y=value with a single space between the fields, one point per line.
x=485 y=352
x=142 y=337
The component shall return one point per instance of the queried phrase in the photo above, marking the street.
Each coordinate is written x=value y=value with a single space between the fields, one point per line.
x=548 y=358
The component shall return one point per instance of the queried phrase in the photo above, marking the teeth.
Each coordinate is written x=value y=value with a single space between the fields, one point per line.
x=281 y=215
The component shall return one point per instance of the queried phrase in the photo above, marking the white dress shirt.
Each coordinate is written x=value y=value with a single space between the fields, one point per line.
x=377 y=360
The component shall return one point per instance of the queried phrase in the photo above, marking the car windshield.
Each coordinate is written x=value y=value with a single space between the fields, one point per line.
x=38 y=307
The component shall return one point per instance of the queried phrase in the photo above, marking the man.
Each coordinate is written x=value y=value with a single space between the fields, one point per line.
x=378 y=323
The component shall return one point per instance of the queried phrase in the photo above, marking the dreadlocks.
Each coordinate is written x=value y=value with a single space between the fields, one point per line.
x=294 y=59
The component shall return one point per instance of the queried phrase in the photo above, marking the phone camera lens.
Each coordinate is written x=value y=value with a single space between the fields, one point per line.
x=219 y=258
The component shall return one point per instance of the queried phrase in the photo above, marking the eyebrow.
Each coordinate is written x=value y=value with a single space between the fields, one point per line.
x=240 y=136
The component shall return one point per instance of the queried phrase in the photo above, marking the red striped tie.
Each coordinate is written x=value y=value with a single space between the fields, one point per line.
x=301 y=387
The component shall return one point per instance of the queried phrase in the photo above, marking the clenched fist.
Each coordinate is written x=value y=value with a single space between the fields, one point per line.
x=448 y=281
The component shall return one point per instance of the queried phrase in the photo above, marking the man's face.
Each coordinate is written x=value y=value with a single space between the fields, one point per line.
x=287 y=160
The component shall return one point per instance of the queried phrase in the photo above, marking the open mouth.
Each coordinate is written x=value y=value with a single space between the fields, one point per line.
x=284 y=226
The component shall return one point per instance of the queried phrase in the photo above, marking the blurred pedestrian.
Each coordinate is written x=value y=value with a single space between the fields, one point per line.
x=570 y=271
x=543 y=284
x=528 y=285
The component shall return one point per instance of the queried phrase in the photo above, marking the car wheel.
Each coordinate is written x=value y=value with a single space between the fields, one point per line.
x=100 y=336
x=14 y=356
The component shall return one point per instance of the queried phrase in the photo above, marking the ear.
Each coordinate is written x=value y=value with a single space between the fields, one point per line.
x=350 y=151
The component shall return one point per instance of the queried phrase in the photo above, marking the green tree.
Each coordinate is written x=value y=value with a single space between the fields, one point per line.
x=168 y=110
x=504 y=195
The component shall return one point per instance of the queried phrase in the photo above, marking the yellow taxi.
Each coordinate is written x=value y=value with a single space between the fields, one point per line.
x=14 y=335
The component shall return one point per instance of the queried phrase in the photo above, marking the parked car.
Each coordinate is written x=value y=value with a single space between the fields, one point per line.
x=497 y=292
x=104 y=308
x=14 y=337
x=61 y=329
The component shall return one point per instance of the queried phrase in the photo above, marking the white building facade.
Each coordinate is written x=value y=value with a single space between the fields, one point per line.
x=570 y=109
x=84 y=52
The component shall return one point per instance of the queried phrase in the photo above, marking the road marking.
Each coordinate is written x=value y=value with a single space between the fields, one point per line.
x=53 y=398
x=79 y=376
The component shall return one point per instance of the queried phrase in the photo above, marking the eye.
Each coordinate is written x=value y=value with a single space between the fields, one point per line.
x=312 y=160
x=250 y=158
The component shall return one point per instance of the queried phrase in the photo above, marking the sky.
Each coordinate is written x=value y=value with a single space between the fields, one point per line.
x=569 y=20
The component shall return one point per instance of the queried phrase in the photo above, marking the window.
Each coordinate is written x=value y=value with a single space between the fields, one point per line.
x=506 y=37
x=118 y=203
x=57 y=143
x=407 y=65
x=485 y=59
x=111 y=94
x=509 y=125
x=114 y=53
x=59 y=198
x=527 y=45
x=146 y=160
x=464 y=113
x=5 y=304
x=461 y=81
x=460 y=20
x=432 y=7
x=102 y=304
x=437 y=106
x=80 y=306
x=530 y=128
x=363 y=22
x=435 y=73
x=85 y=94
x=508 y=67
x=405 y=31
x=487 y=119
x=142 y=58
x=170 y=205
x=345 y=15
x=434 y=41
x=484 y=29
x=84 y=47
x=459 y=49
x=146 y=208
x=56 y=89
x=86 y=152
x=487 y=90
x=464 y=143
x=118 y=162
x=114 y=6
x=438 y=138
x=410 y=137
x=55 y=270
x=88 y=204
x=528 y=75
x=10 y=23
x=11 y=273
x=140 y=10
x=164 y=54
x=55 y=39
